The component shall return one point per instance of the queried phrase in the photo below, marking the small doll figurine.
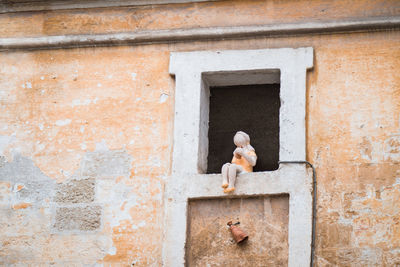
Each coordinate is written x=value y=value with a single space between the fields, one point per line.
x=243 y=161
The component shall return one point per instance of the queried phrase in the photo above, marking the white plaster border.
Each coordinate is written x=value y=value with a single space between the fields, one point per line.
x=194 y=73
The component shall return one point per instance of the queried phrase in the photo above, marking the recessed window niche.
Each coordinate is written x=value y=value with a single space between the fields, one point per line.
x=206 y=81
x=253 y=109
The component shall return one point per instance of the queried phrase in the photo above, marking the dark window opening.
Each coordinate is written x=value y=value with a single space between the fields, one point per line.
x=253 y=109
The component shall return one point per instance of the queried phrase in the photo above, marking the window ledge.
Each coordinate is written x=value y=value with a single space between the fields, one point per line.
x=287 y=179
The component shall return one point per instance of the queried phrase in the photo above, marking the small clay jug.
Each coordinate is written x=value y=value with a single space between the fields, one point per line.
x=238 y=234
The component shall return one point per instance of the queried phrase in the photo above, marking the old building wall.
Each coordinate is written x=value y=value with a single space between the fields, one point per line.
x=86 y=133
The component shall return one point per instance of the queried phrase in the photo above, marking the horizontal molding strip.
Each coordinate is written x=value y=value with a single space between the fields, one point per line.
x=47 y=5
x=196 y=34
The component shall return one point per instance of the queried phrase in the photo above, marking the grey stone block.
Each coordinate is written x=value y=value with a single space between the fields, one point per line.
x=76 y=191
x=106 y=164
x=78 y=218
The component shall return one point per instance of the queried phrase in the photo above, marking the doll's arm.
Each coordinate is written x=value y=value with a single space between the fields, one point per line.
x=251 y=157
x=238 y=153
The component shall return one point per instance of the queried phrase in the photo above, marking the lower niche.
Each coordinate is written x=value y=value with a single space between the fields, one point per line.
x=264 y=218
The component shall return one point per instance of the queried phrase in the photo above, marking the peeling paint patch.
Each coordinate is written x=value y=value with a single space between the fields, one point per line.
x=83 y=146
x=366 y=148
x=40 y=147
x=5 y=141
x=78 y=102
x=112 y=251
x=22 y=205
x=27 y=85
x=133 y=76
x=102 y=146
x=30 y=184
x=163 y=98
x=63 y=122
x=5 y=193
x=392 y=148
x=18 y=187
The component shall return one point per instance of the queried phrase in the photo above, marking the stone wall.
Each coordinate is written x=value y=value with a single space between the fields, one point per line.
x=86 y=133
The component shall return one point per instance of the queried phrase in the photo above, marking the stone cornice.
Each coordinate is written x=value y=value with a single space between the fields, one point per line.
x=197 y=34
x=47 y=5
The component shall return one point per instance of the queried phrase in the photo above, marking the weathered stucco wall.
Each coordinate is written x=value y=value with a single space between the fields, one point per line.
x=86 y=135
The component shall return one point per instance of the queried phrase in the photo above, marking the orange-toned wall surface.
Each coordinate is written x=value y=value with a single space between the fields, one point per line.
x=86 y=133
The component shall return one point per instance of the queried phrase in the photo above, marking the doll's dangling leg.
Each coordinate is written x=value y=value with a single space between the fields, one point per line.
x=232 y=173
x=224 y=173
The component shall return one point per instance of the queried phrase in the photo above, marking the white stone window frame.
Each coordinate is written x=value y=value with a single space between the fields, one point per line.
x=194 y=73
